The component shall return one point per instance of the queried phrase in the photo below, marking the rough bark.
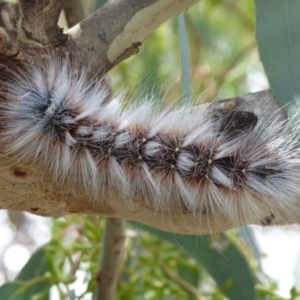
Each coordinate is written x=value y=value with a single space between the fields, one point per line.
x=101 y=41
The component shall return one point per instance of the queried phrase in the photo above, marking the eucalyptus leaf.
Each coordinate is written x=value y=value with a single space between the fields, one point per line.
x=31 y=282
x=12 y=291
x=278 y=39
x=36 y=266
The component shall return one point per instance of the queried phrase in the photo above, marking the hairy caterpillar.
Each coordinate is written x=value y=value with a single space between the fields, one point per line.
x=198 y=158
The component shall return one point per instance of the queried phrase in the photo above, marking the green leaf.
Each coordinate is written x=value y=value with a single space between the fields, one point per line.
x=278 y=38
x=36 y=266
x=11 y=291
x=30 y=282
x=219 y=256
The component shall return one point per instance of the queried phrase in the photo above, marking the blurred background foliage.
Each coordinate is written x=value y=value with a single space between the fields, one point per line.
x=223 y=54
x=223 y=63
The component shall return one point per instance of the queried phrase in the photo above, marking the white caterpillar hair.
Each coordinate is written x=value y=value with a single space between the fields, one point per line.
x=199 y=158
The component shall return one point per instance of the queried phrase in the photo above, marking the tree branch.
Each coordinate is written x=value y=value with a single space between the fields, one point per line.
x=115 y=32
x=45 y=14
x=24 y=188
x=102 y=40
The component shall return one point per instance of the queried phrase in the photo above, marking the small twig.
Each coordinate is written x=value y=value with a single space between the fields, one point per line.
x=74 y=266
x=32 y=281
x=182 y=283
x=111 y=258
